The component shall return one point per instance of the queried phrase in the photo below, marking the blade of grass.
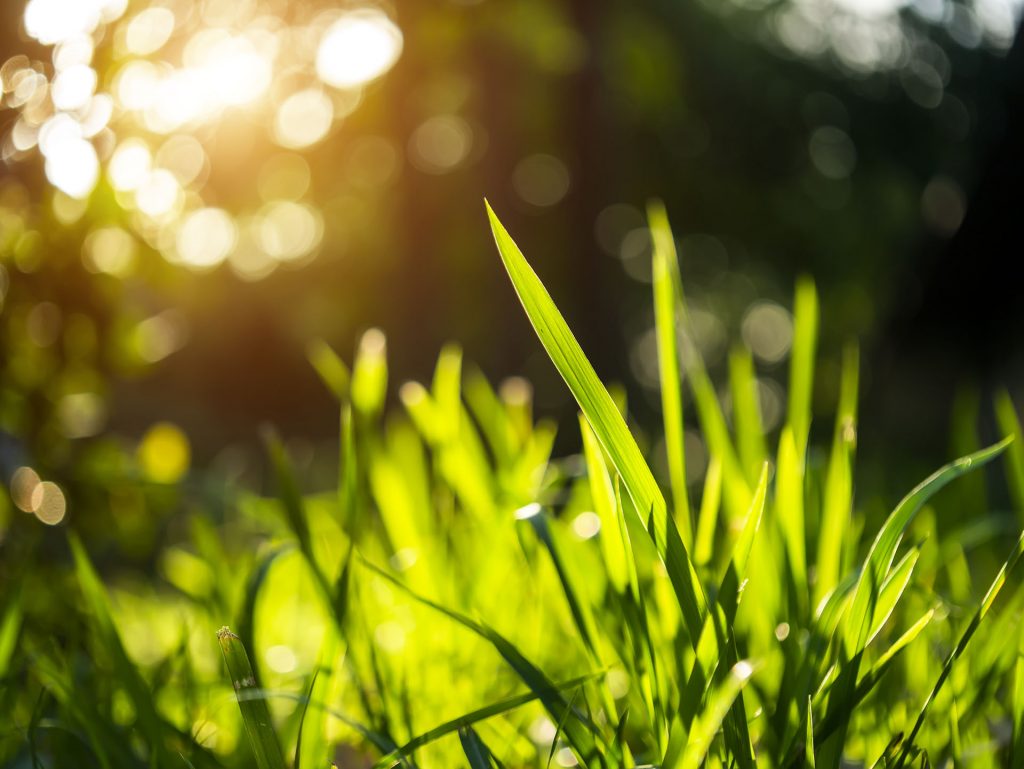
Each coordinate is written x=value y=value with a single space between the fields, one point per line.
x=837 y=503
x=608 y=426
x=476 y=750
x=858 y=616
x=255 y=714
x=883 y=549
x=1006 y=415
x=710 y=720
x=801 y=362
x=746 y=412
x=474 y=716
x=666 y=300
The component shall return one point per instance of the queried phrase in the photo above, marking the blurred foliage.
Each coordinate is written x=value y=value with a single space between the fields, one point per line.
x=336 y=181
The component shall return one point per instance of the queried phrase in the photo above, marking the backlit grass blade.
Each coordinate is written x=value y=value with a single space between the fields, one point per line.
x=836 y=505
x=1017 y=713
x=666 y=300
x=1009 y=423
x=312 y=749
x=892 y=591
x=710 y=720
x=736 y=572
x=708 y=518
x=608 y=426
x=9 y=627
x=330 y=367
x=870 y=679
x=255 y=713
x=883 y=550
x=746 y=412
x=370 y=374
x=801 y=362
x=861 y=610
x=986 y=603
x=474 y=716
x=602 y=494
x=809 y=737
x=789 y=509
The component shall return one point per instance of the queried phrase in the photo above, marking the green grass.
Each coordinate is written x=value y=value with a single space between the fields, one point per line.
x=461 y=598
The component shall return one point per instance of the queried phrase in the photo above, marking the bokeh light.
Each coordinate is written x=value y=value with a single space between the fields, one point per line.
x=48 y=503
x=360 y=46
x=440 y=144
x=206 y=237
x=164 y=453
x=304 y=118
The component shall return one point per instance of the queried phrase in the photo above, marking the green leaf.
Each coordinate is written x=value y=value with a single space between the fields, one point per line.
x=255 y=714
x=1006 y=415
x=801 y=362
x=330 y=367
x=472 y=717
x=666 y=301
x=608 y=426
x=710 y=720
x=883 y=550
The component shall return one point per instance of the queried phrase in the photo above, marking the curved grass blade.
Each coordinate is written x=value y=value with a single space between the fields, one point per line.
x=666 y=300
x=474 y=716
x=608 y=426
x=861 y=610
x=883 y=550
x=255 y=714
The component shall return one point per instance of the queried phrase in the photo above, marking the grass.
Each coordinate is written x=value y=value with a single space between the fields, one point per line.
x=461 y=598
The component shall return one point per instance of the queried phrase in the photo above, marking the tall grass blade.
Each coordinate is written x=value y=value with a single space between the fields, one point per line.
x=1009 y=423
x=608 y=426
x=801 y=362
x=666 y=301
x=255 y=713
x=710 y=720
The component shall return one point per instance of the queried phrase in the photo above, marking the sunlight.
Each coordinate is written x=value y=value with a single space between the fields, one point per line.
x=71 y=162
x=206 y=237
x=304 y=118
x=359 y=47
x=130 y=165
x=54 y=21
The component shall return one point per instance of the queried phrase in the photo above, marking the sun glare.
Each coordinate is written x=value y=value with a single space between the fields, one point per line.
x=154 y=121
